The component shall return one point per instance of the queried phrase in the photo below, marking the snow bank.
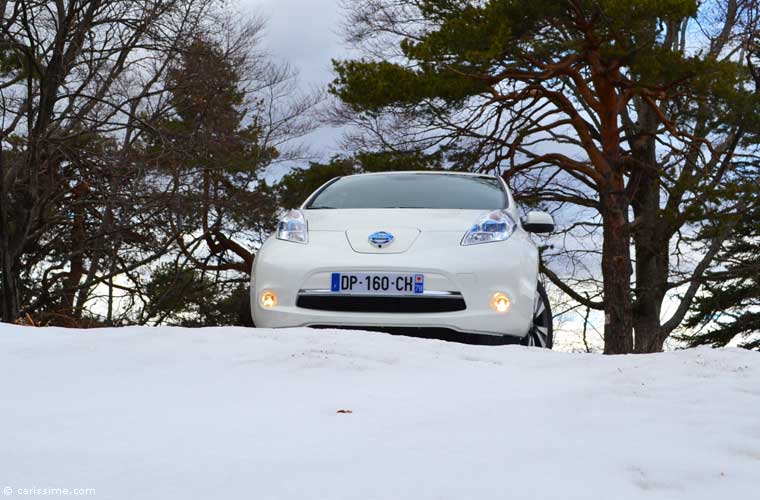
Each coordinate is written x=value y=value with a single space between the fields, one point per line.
x=141 y=413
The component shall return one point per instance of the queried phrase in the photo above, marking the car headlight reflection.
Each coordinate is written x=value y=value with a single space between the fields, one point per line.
x=493 y=226
x=293 y=227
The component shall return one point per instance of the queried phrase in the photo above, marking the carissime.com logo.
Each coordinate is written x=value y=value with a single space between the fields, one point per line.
x=52 y=492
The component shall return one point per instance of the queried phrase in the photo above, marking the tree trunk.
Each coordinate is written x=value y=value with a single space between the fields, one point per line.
x=10 y=306
x=616 y=270
x=9 y=310
x=650 y=243
x=651 y=268
x=77 y=270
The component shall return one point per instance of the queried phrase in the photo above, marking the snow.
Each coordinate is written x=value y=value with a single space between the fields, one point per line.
x=169 y=413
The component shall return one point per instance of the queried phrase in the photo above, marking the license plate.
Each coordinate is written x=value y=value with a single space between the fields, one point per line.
x=378 y=283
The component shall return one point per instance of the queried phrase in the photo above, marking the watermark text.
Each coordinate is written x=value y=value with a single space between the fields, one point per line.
x=33 y=491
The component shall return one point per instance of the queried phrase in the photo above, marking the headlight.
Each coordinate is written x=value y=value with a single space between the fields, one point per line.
x=293 y=227
x=494 y=226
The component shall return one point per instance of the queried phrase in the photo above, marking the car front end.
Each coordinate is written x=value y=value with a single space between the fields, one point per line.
x=399 y=268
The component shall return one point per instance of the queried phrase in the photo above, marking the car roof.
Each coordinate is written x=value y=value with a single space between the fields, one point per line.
x=427 y=172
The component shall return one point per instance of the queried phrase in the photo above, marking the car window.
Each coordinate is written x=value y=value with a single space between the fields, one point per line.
x=411 y=190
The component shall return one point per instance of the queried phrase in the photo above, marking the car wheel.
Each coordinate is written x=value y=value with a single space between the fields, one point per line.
x=541 y=332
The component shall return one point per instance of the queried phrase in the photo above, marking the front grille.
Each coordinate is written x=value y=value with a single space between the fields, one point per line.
x=356 y=303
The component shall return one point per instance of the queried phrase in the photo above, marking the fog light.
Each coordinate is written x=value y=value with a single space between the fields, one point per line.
x=500 y=302
x=268 y=299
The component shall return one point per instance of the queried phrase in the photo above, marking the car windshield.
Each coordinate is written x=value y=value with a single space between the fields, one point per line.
x=410 y=190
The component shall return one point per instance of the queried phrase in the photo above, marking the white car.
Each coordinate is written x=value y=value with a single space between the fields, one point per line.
x=434 y=254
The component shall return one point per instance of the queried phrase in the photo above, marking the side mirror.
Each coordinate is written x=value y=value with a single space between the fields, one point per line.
x=538 y=222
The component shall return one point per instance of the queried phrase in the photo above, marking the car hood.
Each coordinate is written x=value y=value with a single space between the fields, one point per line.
x=383 y=219
x=404 y=224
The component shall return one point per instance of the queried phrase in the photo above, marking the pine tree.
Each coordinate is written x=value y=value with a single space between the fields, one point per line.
x=729 y=309
x=213 y=153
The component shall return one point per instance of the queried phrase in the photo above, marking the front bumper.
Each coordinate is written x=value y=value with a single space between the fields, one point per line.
x=476 y=272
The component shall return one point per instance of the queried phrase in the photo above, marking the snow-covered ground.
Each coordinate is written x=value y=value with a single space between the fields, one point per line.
x=140 y=413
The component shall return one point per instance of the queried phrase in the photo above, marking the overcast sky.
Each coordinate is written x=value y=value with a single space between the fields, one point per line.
x=305 y=34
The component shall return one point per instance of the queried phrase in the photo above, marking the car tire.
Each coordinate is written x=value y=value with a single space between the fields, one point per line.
x=541 y=332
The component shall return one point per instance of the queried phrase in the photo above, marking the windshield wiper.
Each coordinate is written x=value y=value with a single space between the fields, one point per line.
x=320 y=207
